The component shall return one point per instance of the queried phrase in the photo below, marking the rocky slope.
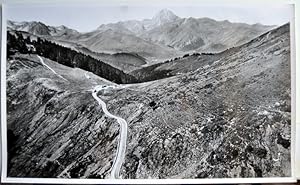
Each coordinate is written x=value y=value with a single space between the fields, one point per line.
x=230 y=118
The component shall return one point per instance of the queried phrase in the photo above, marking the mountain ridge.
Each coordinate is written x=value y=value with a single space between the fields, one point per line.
x=163 y=36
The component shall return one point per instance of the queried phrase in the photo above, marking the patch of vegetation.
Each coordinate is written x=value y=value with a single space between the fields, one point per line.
x=65 y=56
x=283 y=142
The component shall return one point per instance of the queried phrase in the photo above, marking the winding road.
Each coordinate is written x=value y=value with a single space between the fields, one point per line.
x=121 y=149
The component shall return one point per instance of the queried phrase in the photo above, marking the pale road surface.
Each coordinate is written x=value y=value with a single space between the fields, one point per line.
x=44 y=64
x=121 y=149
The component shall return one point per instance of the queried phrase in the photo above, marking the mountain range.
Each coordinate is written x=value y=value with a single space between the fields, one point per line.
x=164 y=36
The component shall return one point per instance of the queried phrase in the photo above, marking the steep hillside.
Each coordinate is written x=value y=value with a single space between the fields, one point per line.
x=229 y=119
x=33 y=97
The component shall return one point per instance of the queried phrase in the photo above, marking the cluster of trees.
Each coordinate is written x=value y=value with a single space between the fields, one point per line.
x=16 y=43
x=207 y=53
x=196 y=54
x=66 y=56
x=187 y=55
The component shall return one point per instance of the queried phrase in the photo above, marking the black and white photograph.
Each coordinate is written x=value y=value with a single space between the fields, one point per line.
x=133 y=91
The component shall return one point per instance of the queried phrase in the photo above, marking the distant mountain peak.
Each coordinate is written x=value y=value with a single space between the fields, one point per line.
x=164 y=16
x=40 y=28
x=165 y=12
x=62 y=27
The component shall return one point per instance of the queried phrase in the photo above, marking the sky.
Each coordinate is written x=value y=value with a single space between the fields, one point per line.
x=83 y=17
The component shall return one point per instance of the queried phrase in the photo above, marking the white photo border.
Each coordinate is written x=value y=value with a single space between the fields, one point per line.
x=5 y=179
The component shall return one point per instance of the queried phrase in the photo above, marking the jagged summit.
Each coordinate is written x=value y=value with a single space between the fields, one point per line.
x=62 y=27
x=164 y=16
x=165 y=13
